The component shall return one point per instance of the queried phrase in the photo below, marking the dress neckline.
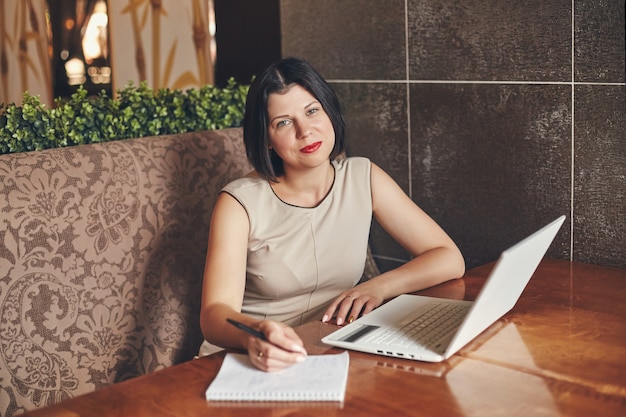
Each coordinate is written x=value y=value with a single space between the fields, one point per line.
x=330 y=189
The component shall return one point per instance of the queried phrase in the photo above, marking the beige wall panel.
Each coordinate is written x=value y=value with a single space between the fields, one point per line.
x=24 y=60
x=165 y=43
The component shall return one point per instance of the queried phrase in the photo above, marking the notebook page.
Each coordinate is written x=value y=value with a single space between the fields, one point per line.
x=318 y=378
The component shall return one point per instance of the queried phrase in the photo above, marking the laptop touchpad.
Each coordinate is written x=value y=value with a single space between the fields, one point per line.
x=358 y=333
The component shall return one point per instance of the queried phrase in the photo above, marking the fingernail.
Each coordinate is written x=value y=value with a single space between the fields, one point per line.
x=300 y=359
x=339 y=321
x=325 y=318
x=298 y=348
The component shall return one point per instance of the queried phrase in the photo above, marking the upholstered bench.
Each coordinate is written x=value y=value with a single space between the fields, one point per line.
x=102 y=249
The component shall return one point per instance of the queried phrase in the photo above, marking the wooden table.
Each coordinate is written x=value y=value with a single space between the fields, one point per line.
x=561 y=351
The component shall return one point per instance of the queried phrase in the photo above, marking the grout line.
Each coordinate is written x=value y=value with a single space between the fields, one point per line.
x=408 y=98
x=568 y=83
x=596 y=83
x=573 y=142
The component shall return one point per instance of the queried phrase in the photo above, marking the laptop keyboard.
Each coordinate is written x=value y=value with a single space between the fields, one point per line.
x=426 y=329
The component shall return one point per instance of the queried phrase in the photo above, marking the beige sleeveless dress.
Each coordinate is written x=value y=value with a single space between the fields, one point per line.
x=301 y=258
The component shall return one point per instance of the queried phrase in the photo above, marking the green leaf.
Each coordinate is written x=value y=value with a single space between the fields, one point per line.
x=138 y=111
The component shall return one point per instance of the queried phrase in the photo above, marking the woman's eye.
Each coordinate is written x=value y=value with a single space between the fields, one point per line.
x=312 y=111
x=282 y=123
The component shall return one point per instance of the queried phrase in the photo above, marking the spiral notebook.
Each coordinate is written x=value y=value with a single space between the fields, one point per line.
x=318 y=378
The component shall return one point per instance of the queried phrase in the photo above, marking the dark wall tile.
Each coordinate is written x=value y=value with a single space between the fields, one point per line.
x=492 y=163
x=599 y=41
x=600 y=175
x=386 y=264
x=376 y=119
x=377 y=126
x=479 y=40
x=348 y=39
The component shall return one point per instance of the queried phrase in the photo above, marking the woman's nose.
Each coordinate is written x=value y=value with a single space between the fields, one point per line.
x=303 y=128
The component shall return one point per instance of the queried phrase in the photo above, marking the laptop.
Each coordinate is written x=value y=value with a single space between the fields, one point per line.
x=433 y=329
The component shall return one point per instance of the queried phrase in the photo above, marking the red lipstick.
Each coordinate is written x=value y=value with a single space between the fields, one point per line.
x=311 y=148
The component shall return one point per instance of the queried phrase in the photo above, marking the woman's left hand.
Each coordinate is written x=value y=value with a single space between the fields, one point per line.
x=351 y=304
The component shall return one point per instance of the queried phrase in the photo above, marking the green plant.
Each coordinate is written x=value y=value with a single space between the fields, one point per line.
x=138 y=111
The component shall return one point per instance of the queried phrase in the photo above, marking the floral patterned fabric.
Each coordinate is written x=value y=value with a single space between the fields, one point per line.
x=102 y=250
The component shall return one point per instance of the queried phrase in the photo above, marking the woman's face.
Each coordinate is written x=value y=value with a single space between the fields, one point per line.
x=300 y=131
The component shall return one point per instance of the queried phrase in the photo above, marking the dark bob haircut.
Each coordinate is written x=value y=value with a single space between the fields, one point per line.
x=278 y=78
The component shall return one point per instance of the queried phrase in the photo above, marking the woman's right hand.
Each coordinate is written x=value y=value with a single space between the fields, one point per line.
x=282 y=348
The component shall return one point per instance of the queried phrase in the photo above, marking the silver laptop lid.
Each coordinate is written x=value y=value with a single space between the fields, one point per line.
x=505 y=284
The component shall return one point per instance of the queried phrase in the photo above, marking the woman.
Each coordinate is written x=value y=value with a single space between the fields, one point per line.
x=288 y=242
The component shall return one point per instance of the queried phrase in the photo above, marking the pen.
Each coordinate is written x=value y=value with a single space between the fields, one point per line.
x=247 y=329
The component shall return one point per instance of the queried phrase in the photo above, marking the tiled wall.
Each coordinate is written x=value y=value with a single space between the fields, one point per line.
x=495 y=116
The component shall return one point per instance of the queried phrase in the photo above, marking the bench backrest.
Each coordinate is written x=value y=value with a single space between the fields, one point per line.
x=102 y=250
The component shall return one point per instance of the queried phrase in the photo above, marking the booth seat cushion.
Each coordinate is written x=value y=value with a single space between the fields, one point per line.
x=102 y=249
